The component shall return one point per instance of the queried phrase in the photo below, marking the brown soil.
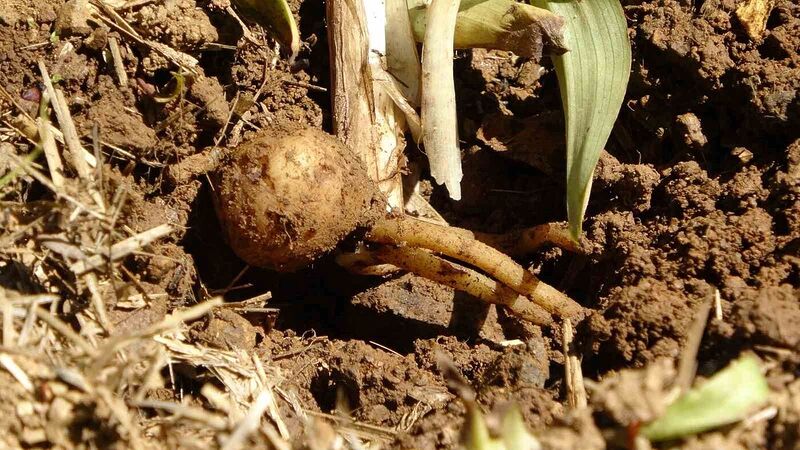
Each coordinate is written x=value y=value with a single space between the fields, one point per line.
x=698 y=190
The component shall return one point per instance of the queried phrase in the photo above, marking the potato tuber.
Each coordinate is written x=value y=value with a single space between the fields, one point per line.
x=290 y=195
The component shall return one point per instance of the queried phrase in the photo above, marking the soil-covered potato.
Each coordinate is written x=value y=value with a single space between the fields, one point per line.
x=290 y=195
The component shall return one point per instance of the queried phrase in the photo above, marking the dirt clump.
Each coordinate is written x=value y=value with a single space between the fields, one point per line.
x=787 y=194
x=227 y=330
x=513 y=137
x=708 y=47
x=119 y=122
x=137 y=307
x=785 y=432
x=180 y=24
x=211 y=96
x=646 y=321
x=73 y=19
x=18 y=418
x=770 y=316
x=379 y=387
x=632 y=184
x=409 y=307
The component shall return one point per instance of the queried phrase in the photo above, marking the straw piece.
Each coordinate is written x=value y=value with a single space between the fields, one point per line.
x=8 y=363
x=214 y=421
x=119 y=68
x=576 y=391
x=71 y=139
x=250 y=422
x=122 y=249
x=65 y=330
x=51 y=154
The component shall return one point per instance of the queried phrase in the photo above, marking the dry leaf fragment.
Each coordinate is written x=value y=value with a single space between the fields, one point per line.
x=524 y=29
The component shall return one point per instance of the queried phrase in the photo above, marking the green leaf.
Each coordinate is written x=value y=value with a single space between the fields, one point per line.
x=592 y=77
x=514 y=435
x=727 y=397
x=180 y=83
x=275 y=16
x=476 y=434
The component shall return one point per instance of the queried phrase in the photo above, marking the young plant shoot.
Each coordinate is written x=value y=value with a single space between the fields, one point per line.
x=592 y=76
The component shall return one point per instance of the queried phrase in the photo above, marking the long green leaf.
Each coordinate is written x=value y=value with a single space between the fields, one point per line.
x=725 y=398
x=592 y=77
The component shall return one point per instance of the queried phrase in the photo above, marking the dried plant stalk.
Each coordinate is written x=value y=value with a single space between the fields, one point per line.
x=440 y=132
x=364 y=117
x=122 y=249
x=71 y=139
x=395 y=90
x=51 y=154
x=576 y=391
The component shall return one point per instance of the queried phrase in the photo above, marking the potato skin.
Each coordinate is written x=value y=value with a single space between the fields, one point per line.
x=290 y=195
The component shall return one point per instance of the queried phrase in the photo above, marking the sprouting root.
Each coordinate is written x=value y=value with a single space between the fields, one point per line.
x=409 y=244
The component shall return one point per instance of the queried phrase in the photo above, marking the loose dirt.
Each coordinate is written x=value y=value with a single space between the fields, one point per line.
x=696 y=195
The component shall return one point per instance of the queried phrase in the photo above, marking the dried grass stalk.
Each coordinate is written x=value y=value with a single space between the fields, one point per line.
x=51 y=154
x=576 y=391
x=122 y=249
x=119 y=66
x=71 y=139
